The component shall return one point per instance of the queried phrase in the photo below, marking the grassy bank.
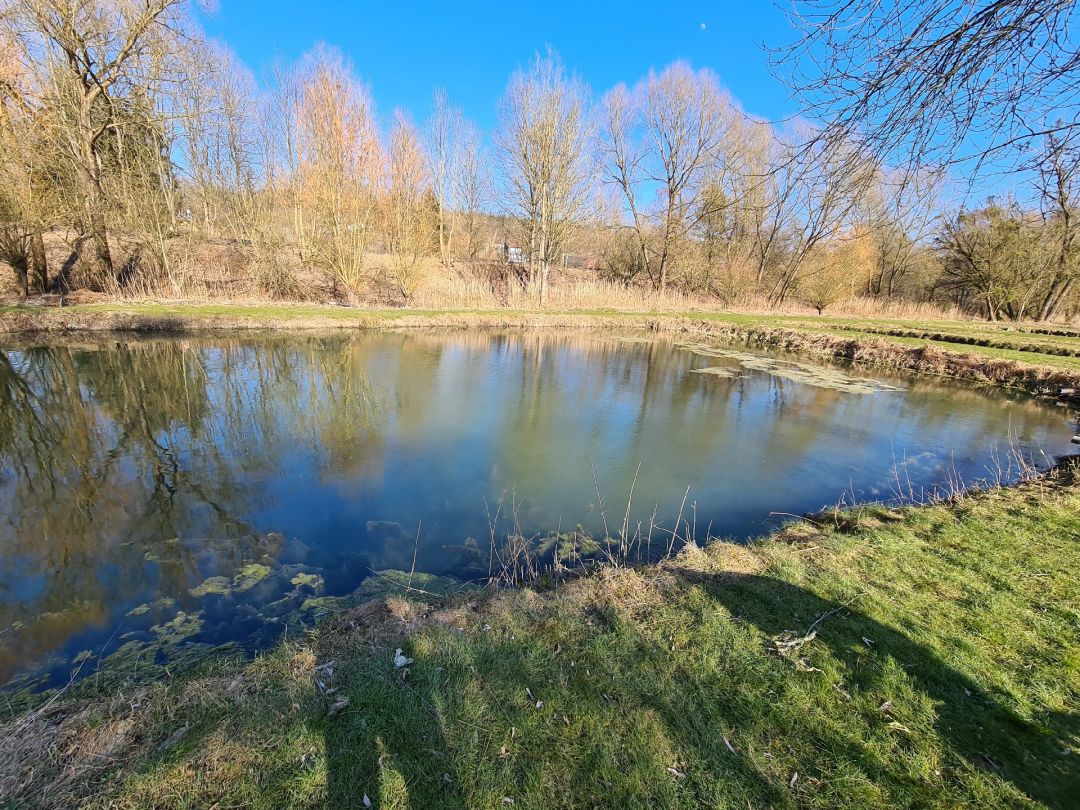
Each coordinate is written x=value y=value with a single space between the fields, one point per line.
x=975 y=352
x=928 y=657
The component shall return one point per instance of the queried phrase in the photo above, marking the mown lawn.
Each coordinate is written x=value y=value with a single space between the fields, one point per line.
x=922 y=658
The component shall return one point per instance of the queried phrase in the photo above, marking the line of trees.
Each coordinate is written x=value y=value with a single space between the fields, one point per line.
x=130 y=139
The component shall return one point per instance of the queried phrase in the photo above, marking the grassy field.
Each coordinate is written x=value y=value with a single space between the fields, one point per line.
x=978 y=338
x=928 y=657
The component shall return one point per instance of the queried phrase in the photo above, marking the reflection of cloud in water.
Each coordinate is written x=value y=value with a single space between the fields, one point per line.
x=925 y=460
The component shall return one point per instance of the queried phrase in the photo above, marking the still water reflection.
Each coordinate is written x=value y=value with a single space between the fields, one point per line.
x=164 y=493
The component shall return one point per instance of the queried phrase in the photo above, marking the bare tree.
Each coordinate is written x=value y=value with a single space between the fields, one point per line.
x=31 y=191
x=1059 y=174
x=738 y=193
x=753 y=194
x=230 y=145
x=665 y=133
x=837 y=269
x=328 y=142
x=95 y=55
x=444 y=150
x=544 y=144
x=937 y=81
x=818 y=185
x=472 y=184
x=898 y=211
x=217 y=104
x=408 y=220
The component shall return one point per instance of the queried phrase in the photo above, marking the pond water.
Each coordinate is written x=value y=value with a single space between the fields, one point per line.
x=160 y=497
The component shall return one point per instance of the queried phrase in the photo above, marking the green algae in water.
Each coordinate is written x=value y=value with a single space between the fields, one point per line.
x=701 y=349
x=182 y=626
x=319 y=605
x=146 y=607
x=568 y=546
x=246 y=577
x=392 y=581
x=249 y=576
x=217 y=585
x=717 y=371
x=313 y=581
x=816 y=376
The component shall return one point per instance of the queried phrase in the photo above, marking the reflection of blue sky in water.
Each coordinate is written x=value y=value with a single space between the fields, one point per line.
x=134 y=474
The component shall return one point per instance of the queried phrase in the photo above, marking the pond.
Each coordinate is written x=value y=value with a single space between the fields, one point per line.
x=163 y=497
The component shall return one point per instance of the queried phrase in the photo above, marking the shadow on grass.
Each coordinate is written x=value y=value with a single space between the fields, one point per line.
x=492 y=718
x=971 y=722
x=388 y=746
x=582 y=704
x=614 y=737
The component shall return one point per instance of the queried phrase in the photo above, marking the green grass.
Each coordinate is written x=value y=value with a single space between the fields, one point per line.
x=945 y=671
x=999 y=341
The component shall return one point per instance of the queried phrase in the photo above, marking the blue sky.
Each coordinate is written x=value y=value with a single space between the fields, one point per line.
x=404 y=50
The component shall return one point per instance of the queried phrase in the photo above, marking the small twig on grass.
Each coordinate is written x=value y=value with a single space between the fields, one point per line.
x=824 y=616
x=783 y=647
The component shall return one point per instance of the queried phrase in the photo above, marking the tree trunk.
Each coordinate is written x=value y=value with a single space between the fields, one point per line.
x=94 y=197
x=39 y=267
x=102 y=254
x=95 y=203
x=1054 y=297
x=18 y=263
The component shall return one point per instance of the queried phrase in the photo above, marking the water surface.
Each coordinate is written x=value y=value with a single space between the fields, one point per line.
x=159 y=494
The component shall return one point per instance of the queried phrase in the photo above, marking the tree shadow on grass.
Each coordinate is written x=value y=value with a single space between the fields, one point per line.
x=505 y=718
x=494 y=722
x=971 y=722
x=383 y=729
x=415 y=742
x=587 y=703
x=591 y=706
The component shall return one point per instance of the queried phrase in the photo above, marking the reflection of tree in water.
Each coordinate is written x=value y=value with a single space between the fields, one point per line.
x=106 y=455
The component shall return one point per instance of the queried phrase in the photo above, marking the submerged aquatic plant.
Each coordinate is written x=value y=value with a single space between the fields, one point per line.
x=216 y=585
x=182 y=626
x=249 y=576
x=817 y=376
x=313 y=581
x=717 y=371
